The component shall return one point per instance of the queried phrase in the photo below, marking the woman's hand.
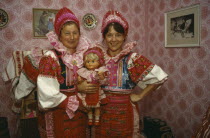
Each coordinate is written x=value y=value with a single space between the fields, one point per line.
x=101 y=75
x=85 y=87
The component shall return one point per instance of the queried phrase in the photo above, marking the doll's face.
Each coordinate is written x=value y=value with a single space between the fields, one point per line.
x=92 y=64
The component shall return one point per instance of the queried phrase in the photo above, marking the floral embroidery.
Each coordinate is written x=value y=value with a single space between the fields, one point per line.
x=140 y=67
x=49 y=66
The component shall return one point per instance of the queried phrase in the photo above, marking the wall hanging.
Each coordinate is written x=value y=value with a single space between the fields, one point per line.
x=89 y=21
x=43 y=20
x=182 y=27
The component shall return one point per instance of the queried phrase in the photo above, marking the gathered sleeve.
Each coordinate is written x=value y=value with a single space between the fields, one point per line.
x=48 y=83
x=143 y=72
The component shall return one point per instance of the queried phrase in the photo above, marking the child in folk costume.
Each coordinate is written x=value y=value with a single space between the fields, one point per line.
x=94 y=72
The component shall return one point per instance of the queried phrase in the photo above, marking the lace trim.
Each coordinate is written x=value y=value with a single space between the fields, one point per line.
x=70 y=59
x=127 y=49
x=49 y=124
x=72 y=106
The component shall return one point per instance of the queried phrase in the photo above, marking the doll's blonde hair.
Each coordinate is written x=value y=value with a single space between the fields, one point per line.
x=91 y=56
x=94 y=53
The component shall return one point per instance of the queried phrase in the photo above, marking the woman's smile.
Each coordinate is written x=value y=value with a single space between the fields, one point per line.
x=114 y=41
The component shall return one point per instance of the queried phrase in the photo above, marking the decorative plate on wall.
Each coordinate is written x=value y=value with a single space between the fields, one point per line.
x=4 y=18
x=89 y=21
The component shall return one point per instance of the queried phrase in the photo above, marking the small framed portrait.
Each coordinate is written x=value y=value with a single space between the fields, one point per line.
x=43 y=21
x=89 y=21
x=4 y=18
x=182 y=27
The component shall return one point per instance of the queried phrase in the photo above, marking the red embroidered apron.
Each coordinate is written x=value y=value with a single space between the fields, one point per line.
x=116 y=118
x=59 y=125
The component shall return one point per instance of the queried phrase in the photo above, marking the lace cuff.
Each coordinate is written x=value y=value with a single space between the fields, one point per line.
x=72 y=106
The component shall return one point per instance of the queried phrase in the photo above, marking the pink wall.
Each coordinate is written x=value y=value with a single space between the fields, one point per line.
x=184 y=98
x=182 y=101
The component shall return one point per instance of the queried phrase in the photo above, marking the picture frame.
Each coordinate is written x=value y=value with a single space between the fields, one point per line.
x=43 y=20
x=182 y=27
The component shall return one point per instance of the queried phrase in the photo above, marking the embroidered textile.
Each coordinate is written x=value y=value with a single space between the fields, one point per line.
x=140 y=67
x=117 y=118
x=69 y=121
x=114 y=16
x=127 y=69
x=50 y=67
x=64 y=15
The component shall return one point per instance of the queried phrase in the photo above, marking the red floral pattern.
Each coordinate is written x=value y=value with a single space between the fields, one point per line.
x=141 y=67
x=30 y=70
x=49 y=66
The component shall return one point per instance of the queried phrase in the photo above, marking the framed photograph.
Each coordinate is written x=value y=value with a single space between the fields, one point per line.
x=43 y=20
x=182 y=27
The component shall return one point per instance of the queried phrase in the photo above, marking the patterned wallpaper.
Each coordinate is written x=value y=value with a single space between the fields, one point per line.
x=182 y=100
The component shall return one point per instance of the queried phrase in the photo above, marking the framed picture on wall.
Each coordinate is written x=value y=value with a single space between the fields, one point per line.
x=43 y=20
x=182 y=27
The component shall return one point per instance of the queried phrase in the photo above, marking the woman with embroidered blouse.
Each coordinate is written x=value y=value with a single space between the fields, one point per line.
x=57 y=79
x=127 y=69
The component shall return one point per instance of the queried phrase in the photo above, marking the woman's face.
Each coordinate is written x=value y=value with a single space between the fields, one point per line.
x=70 y=36
x=114 y=40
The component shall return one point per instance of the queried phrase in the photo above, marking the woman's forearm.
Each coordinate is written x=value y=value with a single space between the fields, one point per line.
x=145 y=92
x=148 y=89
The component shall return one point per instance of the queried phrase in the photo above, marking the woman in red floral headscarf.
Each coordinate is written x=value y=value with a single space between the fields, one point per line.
x=57 y=91
x=127 y=69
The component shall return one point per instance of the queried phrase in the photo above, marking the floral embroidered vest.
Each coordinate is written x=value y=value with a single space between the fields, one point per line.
x=119 y=79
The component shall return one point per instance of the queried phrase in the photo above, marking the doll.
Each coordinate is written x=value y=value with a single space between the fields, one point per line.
x=94 y=72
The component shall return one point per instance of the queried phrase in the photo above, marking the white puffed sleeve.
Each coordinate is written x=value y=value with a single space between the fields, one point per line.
x=24 y=87
x=143 y=71
x=48 y=92
x=48 y=86
x=155 y=76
